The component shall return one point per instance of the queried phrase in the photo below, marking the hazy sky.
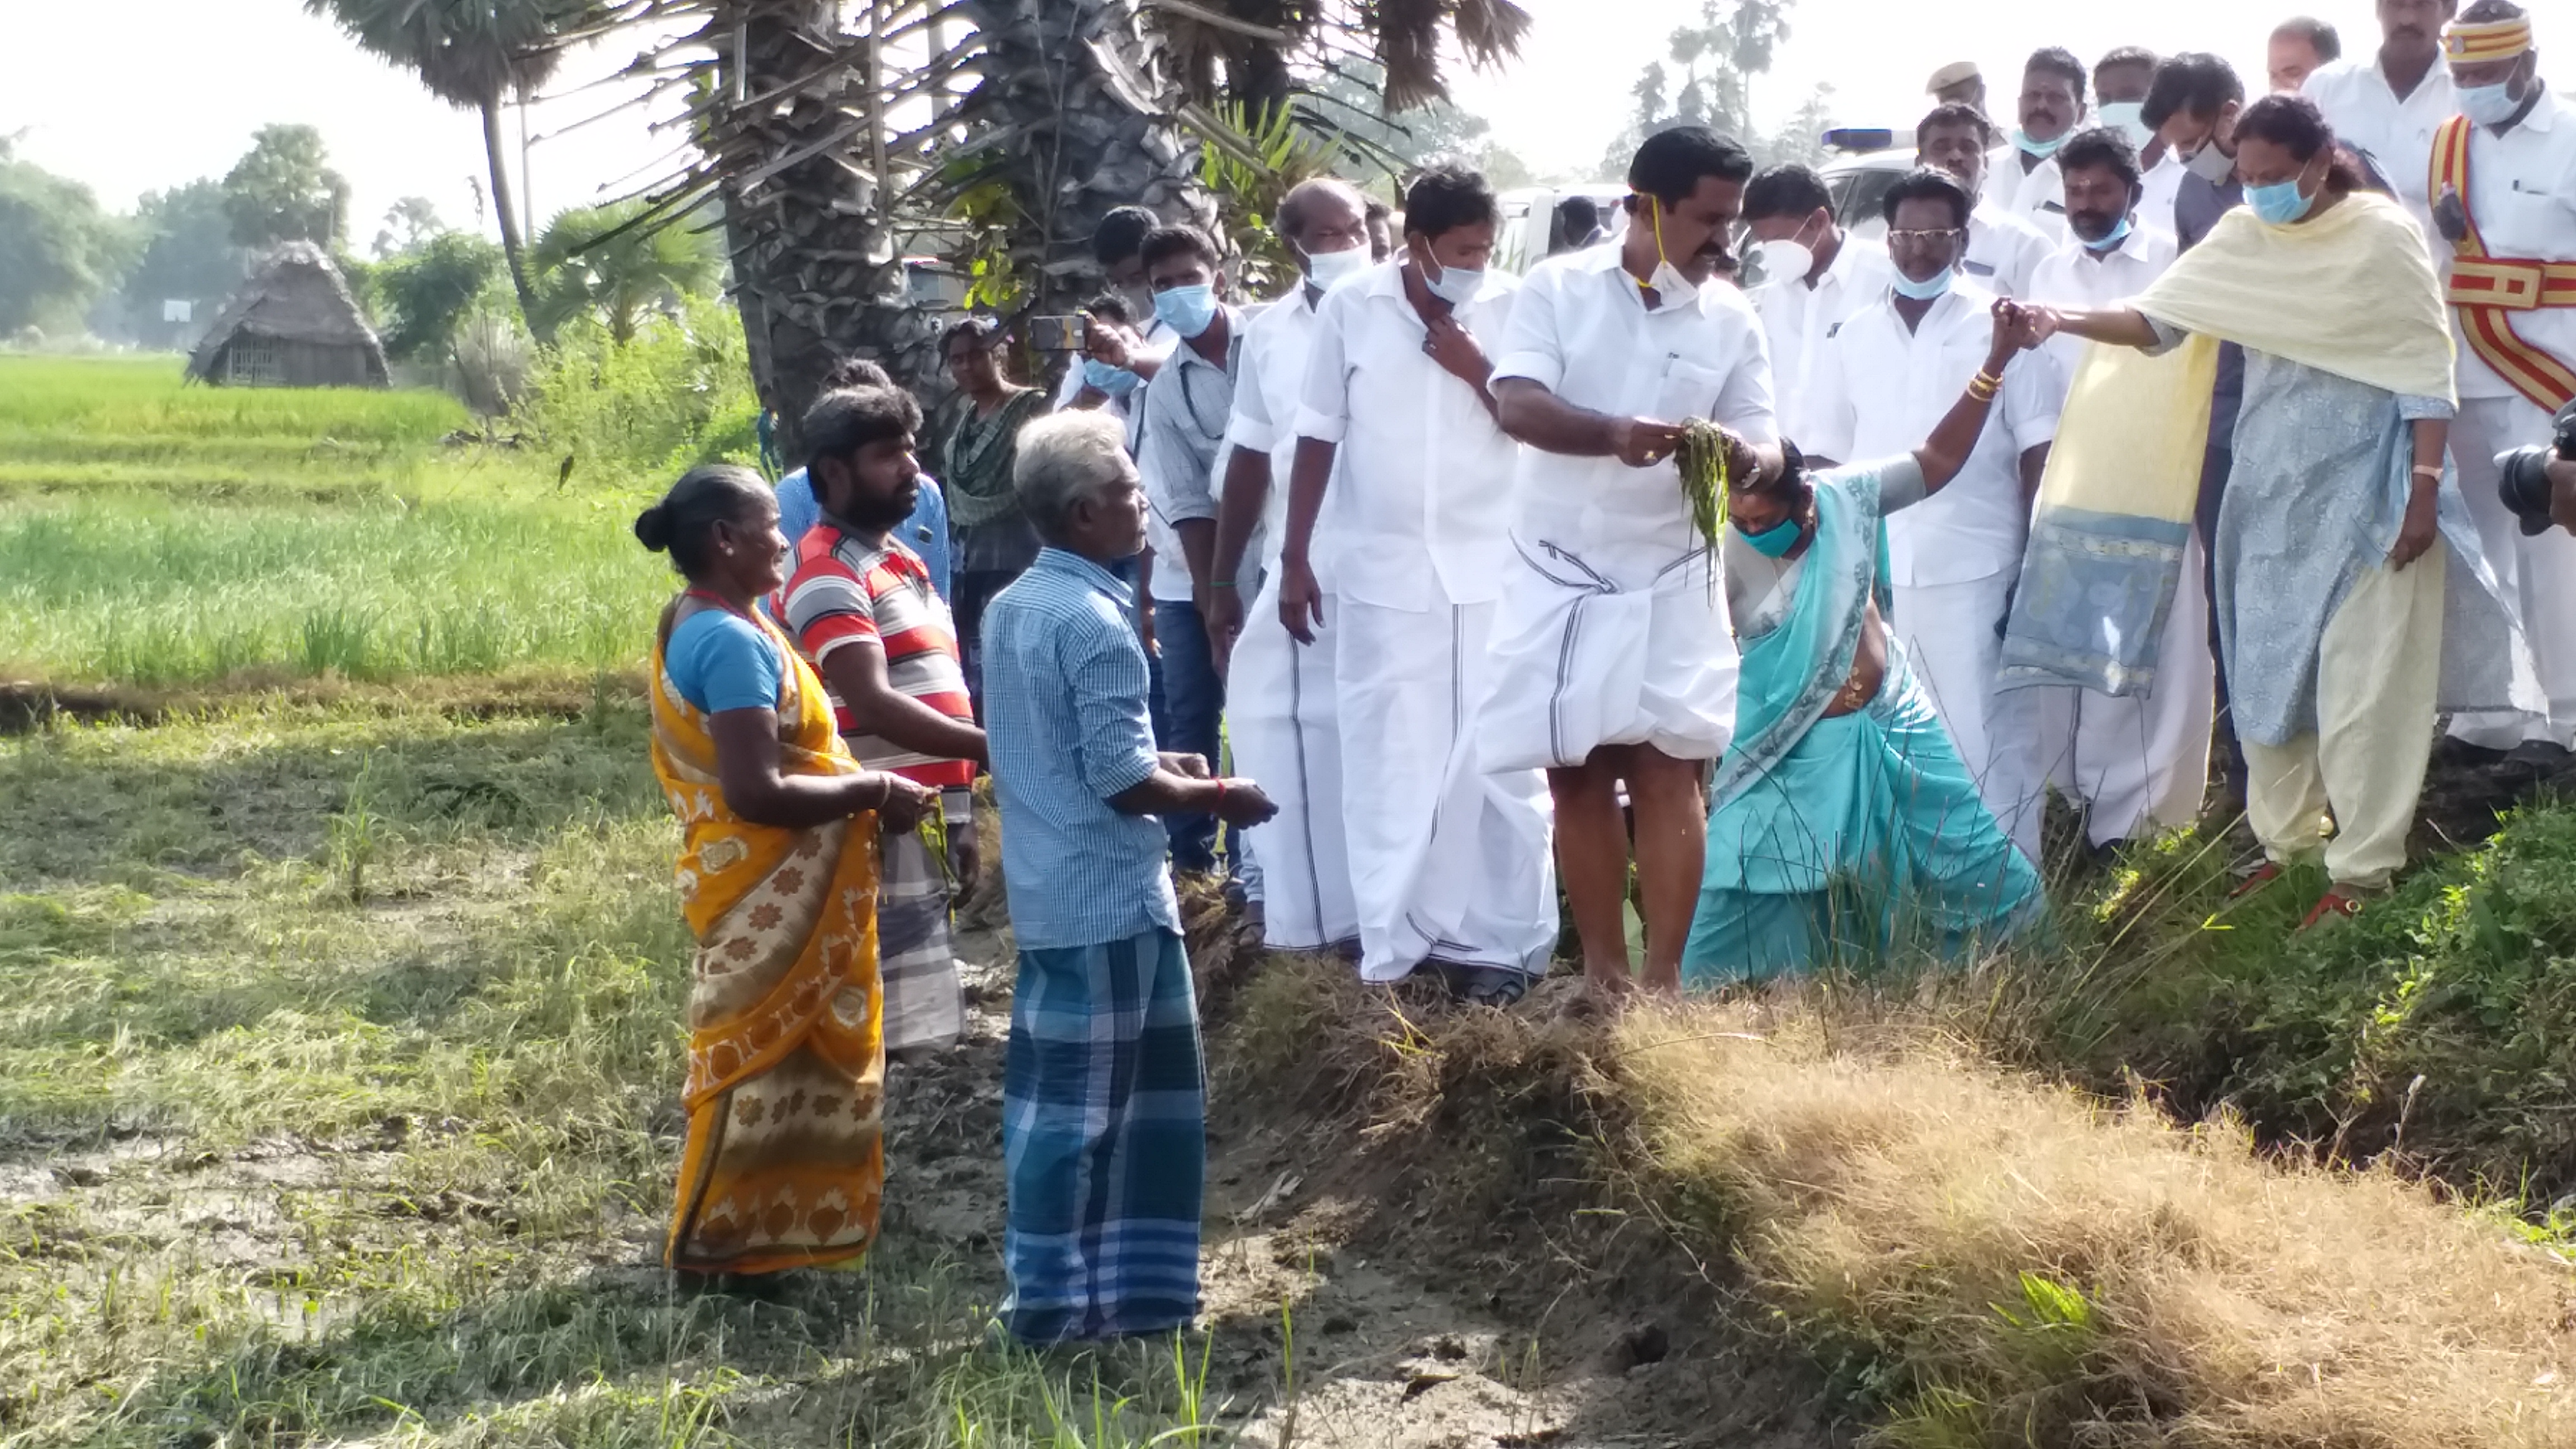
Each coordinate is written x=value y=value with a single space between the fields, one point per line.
x=183 y=102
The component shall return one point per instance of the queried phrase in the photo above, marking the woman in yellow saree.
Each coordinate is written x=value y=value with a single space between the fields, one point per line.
x=784 y=1161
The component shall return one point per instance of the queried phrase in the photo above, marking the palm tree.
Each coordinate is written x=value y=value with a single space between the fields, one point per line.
x=1251 y=53
x=595 y=261
x=470 y=54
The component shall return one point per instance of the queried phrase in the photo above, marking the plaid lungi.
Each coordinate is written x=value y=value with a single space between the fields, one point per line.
x=1104 y=1141
x=923 y=1004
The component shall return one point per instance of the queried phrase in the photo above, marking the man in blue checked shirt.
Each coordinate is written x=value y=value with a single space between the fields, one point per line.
x=1104 y=1115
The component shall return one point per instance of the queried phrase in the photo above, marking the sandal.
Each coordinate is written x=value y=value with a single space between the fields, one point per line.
x=2335 y=904
x=2264 y=874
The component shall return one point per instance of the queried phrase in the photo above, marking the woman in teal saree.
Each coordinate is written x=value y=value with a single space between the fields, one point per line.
x=1843 y=827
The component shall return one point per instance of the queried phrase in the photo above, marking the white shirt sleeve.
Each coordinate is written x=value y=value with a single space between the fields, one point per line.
x=2030 y=401
x=1530 y=345
x=1744 y=403
x=1324 y=404
x=1251 y=426
x=1831 y=403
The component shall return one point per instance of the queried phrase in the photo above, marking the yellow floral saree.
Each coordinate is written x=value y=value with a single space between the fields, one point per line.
x=784 y=1163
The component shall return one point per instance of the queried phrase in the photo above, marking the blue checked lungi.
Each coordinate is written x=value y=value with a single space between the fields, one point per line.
x=1104 y=1141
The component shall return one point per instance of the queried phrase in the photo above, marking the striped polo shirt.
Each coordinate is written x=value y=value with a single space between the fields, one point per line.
x=848 y=591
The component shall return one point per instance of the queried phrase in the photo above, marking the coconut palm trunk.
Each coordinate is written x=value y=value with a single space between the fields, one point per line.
x=1076 y=104
x=816 y=272
x=505 y=210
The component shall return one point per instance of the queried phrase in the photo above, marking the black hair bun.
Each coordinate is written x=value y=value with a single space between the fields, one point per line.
x=653 y=528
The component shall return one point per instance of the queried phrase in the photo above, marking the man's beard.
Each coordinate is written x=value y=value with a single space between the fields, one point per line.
x=2090 y=226
x=875 y=514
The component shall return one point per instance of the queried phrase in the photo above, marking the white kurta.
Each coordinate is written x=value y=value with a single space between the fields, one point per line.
x=2522 y=192
x=2392 y=133
x=2003 y=250
x=1797 y=319
x=1282 y=714
x=2136 y=761
x=1448 y=862
x=1611 y=629
x=1953 y=558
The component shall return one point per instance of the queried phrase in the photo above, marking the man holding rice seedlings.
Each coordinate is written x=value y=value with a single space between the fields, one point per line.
x=861 y=606
x=1843 y=824
x=1104 y=1105
x=1612 y=665
x=1449 y=863
x=1888 y=377
x=1283 y=716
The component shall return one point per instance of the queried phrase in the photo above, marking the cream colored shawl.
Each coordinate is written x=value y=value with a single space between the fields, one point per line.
x=2352 y=293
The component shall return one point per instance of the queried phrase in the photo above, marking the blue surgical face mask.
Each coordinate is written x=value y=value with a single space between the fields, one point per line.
x=2117 y=235
x=1187 y=310
x=2279 y=203
x=1924 y=291
x=1456 y=286
x=2126 y=117
x=1115 y=381
x=1772 y=542
x=2488 y=105
x=2041 y=149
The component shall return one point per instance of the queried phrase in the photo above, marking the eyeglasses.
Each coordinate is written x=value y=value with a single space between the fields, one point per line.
x=1923 y=238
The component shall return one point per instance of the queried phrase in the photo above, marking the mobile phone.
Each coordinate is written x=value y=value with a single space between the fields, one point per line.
x=1056 y=334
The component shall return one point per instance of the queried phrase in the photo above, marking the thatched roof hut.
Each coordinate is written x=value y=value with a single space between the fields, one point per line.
x=293 y=324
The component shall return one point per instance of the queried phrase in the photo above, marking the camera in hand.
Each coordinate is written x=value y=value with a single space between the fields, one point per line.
x=2522 y=476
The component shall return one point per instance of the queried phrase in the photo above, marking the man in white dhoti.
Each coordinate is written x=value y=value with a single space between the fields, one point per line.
x=2504 y=189
x=2139 y=761
x=1449 y=863
x=1612 y=661
x=1894 y=370
x=1281 y=717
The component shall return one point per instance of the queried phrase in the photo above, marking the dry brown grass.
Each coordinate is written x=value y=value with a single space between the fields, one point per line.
x=1943 y=1216
x=1974 y=1256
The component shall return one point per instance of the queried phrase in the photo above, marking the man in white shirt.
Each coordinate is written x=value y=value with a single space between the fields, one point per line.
x=2299 y=48
x=2510 y=232
x=2122 y=79
x=1612 y=661
x=1181 y=434
x=2022 y=174
x=2387 y=106
x=1894 y=370
x=1817 y=277
x=2003 y=249
x=1449 y=863
x=1280 y=717
x=2134 y=762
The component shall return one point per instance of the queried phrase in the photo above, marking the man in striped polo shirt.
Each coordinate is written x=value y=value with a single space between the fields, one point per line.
x=862 y=607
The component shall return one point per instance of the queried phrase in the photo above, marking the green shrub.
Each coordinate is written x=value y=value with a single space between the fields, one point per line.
x=678 y=395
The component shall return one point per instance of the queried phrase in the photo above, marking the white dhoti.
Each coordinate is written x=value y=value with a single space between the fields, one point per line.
x=1447 y=860
x=1611 y=649
x=2537 y=575
x=2140 y=762
x=1950 y=634
x=1283 y=724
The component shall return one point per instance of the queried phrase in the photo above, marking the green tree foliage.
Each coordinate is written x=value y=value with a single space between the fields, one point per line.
x=1705 y=75
x=409 y=225
x=424 y=289
x=639 y=411
x=593 y=262
x=187 y=255
x=58 y=251
x=283 y=189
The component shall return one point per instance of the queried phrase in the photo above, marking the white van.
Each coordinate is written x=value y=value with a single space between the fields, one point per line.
x=1529 y=232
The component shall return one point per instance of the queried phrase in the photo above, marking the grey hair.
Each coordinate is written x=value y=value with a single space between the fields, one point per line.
x=1063 y=459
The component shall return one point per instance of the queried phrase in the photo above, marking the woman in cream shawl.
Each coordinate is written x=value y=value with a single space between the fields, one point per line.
x=2353 y=602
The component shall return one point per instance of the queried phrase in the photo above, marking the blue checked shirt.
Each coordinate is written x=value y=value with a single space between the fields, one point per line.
x=1065 y=724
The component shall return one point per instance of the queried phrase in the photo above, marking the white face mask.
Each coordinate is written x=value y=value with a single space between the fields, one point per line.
x=2125 y=117
x=1670 y=287
x=1326 y=268
x=1786 y=260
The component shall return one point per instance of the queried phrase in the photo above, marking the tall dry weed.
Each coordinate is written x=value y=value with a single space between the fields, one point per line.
x=2029 y=1265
